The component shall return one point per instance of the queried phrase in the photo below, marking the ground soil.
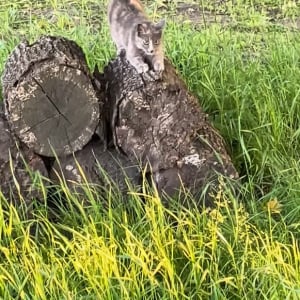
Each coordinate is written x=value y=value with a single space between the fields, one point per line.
x=203 y=16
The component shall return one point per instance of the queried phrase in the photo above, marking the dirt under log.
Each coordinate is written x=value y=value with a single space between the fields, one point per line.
x=159 y=123
x=49 y=96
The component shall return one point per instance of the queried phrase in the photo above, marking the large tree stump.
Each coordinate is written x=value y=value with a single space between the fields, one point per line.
x=18 y=166
x=50 y=101
x=159 y=123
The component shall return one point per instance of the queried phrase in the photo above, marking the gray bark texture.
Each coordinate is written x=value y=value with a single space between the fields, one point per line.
x=18 y=167
x=97 y=166
x=159 y=123
x=147 y=123
x=50 y=100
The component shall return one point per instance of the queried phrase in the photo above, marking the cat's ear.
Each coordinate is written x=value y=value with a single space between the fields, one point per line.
x=161 y=24
x=141 y=29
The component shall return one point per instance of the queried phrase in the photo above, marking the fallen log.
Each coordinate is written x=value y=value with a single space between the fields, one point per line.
x=18 y=167
x=50 y=100
x=98 y=167
x=158 y=122
x=154 y=123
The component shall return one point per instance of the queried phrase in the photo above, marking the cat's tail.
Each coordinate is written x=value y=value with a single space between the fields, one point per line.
x=134 y=5
x=125 y=1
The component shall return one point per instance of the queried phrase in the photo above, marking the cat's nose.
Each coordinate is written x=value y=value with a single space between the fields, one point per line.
x=152 y=51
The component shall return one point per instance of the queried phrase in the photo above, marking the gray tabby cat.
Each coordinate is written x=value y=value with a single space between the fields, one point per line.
x=132 y=30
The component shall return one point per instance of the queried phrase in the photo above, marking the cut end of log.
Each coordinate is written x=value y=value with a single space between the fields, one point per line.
x=17 y=166
x=52 y=106
x=55 y=109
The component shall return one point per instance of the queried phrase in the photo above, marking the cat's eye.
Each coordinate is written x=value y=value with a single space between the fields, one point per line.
x=156 y=42
x=145 y=42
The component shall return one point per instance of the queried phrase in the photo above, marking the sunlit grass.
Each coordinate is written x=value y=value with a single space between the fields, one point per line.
x=246 y=76
x=219 y=253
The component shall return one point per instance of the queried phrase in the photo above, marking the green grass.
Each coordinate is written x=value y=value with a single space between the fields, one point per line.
x=246 y=75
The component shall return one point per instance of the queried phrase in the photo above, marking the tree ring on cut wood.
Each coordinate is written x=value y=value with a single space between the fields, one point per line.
x=18 y=166
x=49 y=96
x=54 y=108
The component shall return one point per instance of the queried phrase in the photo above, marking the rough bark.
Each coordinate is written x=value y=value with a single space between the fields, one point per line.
x=50 y=100
x=159 y=122
x=99 y=167
x=18 y=166
x=154 y=123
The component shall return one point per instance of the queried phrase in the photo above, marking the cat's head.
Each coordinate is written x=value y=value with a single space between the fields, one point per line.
x=148 y=36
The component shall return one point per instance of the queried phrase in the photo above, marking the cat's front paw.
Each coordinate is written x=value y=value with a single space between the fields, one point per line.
x=158 y=66
x=142 y=68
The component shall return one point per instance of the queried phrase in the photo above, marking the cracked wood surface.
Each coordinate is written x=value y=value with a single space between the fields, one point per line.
x=159 y=123
x=98 y=166
x=18 y=165
x=148 y=122
x=50 y=100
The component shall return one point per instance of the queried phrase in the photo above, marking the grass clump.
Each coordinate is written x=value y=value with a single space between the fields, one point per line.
x=246 y=75
x=151 y=253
